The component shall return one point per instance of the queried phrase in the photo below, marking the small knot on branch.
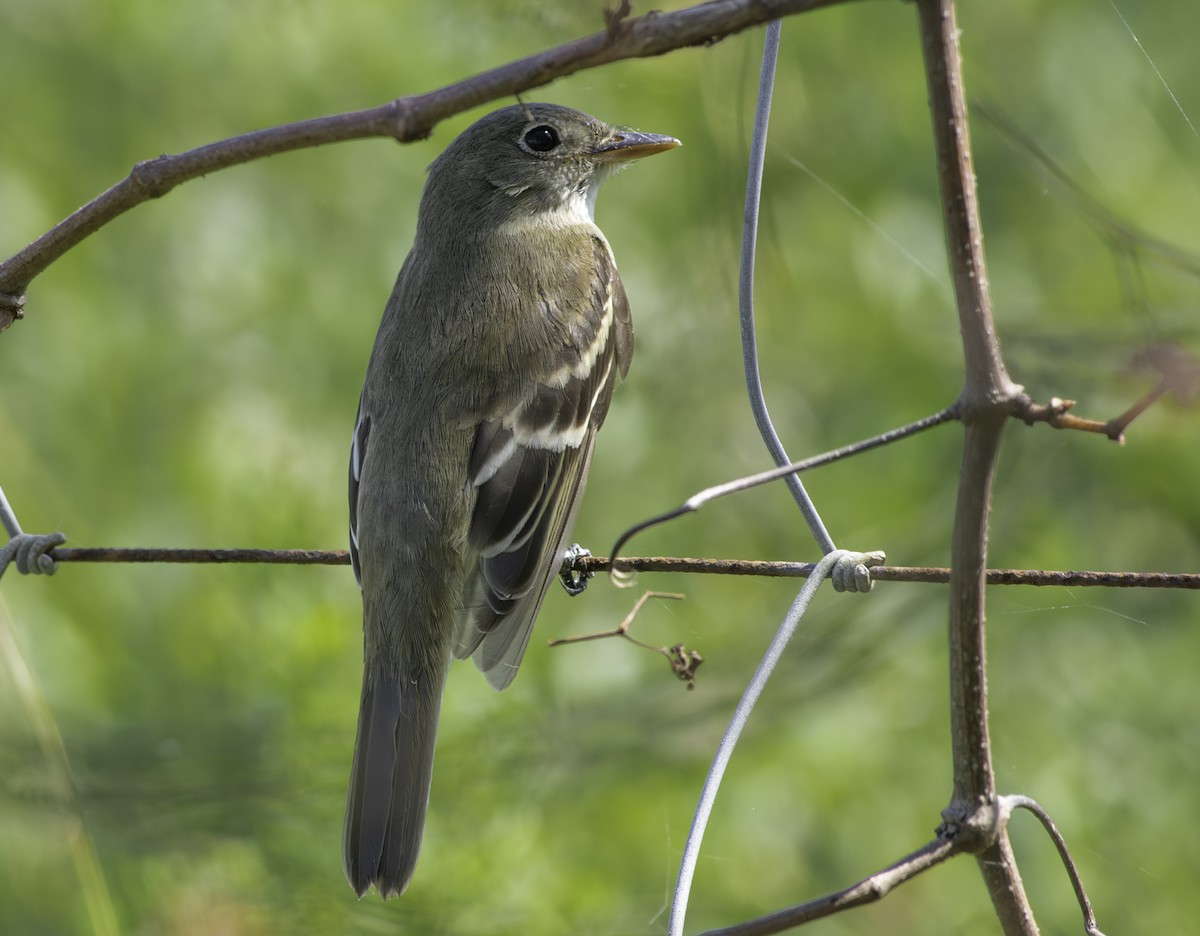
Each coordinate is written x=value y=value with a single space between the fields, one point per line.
x=150 y=176
x=614 y=21
x=402 y=119
x=973 y=826
x=12 y=307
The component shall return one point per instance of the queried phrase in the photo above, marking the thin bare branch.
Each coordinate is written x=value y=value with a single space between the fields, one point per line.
x=983 y=408
x=866 y=891
x=1010 y=803
x=1179 y=374
x=683 y=662
x=986 y=381
x=622 y=629
x=1057 y=415
x=405 y=119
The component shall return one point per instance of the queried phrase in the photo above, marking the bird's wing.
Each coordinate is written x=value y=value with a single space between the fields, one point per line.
x=529 y=465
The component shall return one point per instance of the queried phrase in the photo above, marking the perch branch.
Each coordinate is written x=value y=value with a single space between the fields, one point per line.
x=404 y=119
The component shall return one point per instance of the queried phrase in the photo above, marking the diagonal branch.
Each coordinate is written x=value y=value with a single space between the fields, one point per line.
x=405 y=119
x=866 y=891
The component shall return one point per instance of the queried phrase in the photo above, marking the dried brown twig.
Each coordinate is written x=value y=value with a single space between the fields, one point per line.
x=684 y=662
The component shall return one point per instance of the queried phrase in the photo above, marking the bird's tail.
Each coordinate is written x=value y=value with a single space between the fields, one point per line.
x=389 y=782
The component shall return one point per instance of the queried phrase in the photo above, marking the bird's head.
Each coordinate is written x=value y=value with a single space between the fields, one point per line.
x=530 y=162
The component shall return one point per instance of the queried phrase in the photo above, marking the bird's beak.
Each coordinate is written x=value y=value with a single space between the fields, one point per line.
x=629 y=144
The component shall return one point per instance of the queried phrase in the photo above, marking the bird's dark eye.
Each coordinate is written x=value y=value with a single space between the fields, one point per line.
x=542 y=139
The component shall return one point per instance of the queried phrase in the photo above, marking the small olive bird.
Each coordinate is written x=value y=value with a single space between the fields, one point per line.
x=491 y=373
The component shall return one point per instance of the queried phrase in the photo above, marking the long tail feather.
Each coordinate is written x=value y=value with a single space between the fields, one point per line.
x=389 y=782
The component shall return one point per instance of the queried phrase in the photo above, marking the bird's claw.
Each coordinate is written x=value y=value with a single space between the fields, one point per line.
x=574 y=580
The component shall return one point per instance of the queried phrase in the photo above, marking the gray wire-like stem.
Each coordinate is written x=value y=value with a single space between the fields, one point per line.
x=699 y=499
x=1009 y=803
x=8 y=517
x=758 y=402
x=708 y=795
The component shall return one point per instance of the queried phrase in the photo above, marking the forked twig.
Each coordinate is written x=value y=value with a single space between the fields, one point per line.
x=684 y=662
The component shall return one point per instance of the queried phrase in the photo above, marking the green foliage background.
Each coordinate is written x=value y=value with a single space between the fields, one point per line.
x=188 y=377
